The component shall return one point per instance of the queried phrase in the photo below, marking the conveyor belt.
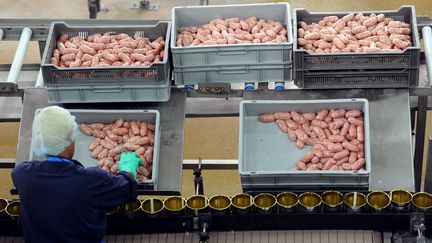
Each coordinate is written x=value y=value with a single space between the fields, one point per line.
x=294 y=236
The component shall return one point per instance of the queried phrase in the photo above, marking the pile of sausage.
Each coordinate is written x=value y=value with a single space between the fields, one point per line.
x=107 y=50
x=354 y=33
x=233 y=31
x=122 y=136
x=336 y=136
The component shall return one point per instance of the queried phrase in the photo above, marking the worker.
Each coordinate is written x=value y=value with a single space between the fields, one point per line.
x=61 y=201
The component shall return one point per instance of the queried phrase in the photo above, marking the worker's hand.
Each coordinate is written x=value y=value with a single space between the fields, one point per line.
x=129 y=162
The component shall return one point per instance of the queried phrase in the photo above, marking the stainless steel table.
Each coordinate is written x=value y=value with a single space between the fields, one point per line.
x=172 y=124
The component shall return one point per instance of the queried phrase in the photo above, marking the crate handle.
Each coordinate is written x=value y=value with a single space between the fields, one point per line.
x=233 y=70
x=108 y=90
x=233 y=51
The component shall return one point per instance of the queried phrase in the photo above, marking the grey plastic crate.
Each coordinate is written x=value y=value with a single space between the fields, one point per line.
x=105 y=77
x=82 y=141
x=155 y=91
x=266 y=155
x=235 y=54
x=233 y=74
x=375 y=70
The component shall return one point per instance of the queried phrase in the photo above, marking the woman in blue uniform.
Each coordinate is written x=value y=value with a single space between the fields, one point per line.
x=61 y=201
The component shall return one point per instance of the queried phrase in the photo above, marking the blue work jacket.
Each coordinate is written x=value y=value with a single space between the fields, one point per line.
x=61 y=201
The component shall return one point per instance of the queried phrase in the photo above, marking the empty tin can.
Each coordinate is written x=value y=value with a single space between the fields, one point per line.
x=354 y=202
x=220 y=204
x=264 y=203
x=332 y=201
x=197 y=203
x=242 y=203
x=131 y=209
x=422 y=202
x=378 y=201
x=152 y=206
x=174 y=205
x=13 y=209
x=309 y=202
x=287 y=202
x=400 y=200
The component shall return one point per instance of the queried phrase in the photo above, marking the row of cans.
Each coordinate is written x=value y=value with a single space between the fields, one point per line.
x=266 y=203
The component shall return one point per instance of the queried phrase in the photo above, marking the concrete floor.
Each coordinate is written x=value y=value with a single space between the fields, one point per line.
x=208 y=138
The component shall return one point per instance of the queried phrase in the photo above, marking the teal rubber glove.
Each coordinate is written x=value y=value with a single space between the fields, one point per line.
x=129 y=162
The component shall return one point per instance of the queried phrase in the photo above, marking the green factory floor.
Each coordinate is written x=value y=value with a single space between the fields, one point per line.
x=208 y=138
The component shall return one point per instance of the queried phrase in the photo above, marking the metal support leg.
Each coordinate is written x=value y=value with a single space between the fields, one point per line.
x=19 y=55
x=41 y=48
x=427 y=41
x=1 y=34
x=419 y=142
x=428 y=175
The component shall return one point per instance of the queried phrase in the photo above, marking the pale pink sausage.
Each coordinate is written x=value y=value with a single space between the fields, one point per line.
x=282 y=115
x=298 y=118
x=352 y=132
x=358 y=164
x=344 y=129
x=350 y=146
x=352 y=157
x=291 y=124
x=336 y=138
x=291 y=135
x=360 y=133
x=353 y=113
x=266 y=118
x=341 y=154
x=338 y=113
x=319 y=123
x=300 y=144
x=282 y=125
x=354 y=121
x=301 y=135
x=321 y=115
x=307 y=157
x=309 y=116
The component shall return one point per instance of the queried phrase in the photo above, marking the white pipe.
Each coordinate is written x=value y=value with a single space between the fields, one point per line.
x=19 y=55
x=39 y=80
x=1 y=34
x=427 y=41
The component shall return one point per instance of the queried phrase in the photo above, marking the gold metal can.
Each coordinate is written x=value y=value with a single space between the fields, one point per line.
x=242 y=203
x=309 y=202
x=400 y=200
x=264 y=202
x=13 y=208
x=378 y=201
x=220 y=204
x=287 y=202
x=332 y=201
x=152 y=206
x=197 y=203
x=174 y=205
x=130 y=209
x=354 y=201
x=422 y=202
x=3 y=204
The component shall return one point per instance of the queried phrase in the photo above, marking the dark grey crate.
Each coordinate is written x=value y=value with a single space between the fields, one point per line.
x=157 y=72
x=194 y=57
x=374 y=70
x=233 y=74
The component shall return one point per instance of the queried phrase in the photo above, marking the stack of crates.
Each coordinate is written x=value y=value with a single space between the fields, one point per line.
x=232 y=63
x=357 y=70
x=107 y=84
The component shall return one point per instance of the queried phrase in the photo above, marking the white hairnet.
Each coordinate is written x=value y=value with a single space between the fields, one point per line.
x=53 y=130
